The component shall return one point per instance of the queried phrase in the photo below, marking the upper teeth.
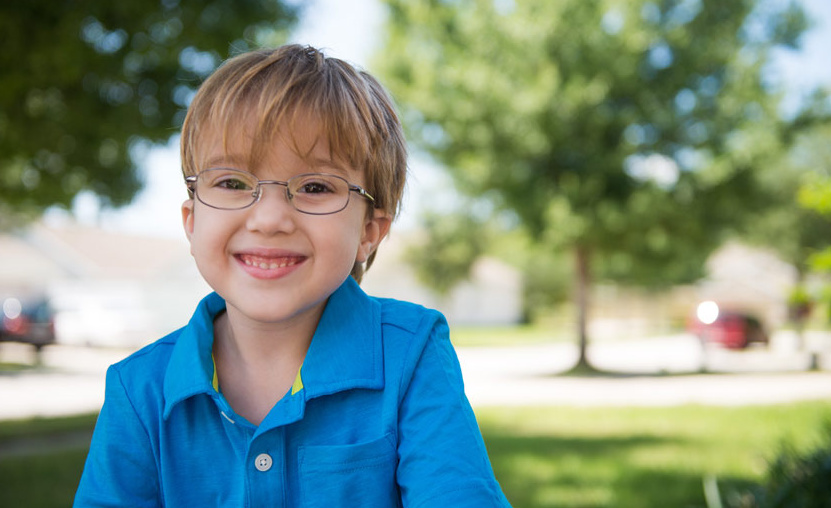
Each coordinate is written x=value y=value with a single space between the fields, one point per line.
x=270 y=266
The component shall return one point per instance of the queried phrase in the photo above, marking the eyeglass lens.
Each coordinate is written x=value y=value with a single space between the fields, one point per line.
x=309 y=193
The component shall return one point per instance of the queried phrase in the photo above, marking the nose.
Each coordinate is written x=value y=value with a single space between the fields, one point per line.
x=273 y=212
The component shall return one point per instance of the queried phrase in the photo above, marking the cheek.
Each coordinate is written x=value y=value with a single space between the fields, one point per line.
x=344 y=241
x=347 y=247
x=208 y=234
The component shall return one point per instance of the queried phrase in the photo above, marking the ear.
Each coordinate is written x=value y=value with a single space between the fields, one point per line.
x=187 y=218
x=375 y=229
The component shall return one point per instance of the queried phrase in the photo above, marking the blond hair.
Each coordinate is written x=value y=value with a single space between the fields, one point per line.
x=287 y=85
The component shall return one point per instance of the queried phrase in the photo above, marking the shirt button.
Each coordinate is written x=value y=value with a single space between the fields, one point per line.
x=263 y=462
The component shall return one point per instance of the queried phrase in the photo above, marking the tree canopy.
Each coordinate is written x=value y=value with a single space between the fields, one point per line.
x=455 y=242
x=81 y=83
x=635 y=133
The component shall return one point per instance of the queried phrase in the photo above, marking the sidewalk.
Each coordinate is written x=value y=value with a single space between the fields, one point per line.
x=664 y=371
x=69 y=380
x=720 y=389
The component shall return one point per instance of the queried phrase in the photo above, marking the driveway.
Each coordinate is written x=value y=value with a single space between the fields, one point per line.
x=655 y=372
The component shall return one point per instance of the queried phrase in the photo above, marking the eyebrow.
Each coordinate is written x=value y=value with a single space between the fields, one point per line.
x=226 y=159
x=329 y=163
x=238 y=161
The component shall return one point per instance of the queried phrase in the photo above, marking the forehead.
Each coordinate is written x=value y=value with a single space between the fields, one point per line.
x=247 y=141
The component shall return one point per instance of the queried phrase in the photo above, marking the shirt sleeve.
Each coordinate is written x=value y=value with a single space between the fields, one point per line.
x=442 y=457
x=120 y=469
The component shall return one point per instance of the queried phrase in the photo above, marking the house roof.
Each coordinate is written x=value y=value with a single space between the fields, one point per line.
x=40 y=254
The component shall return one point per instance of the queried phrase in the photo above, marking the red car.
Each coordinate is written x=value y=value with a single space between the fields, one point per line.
x=733 y=330
x=30 y=322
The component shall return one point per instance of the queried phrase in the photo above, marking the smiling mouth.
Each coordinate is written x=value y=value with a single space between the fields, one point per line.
x=269 y=263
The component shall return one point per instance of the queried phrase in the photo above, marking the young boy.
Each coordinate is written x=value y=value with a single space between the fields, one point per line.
x=290 y=386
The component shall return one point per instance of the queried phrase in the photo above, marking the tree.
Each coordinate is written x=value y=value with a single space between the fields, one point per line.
x=806 y=229
x=796 y=224
x=635 y=133
x=453 y=242
x=82 y=83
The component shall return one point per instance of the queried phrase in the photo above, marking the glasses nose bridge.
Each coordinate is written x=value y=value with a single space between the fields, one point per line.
x=259 y=189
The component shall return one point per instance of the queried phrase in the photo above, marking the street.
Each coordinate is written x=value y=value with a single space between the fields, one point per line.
x=661 y=371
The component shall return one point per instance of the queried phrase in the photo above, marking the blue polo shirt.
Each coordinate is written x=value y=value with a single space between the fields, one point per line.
x=379 y=420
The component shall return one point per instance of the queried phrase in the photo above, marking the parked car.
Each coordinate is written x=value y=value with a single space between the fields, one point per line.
x=730 y=329
x=29 y=321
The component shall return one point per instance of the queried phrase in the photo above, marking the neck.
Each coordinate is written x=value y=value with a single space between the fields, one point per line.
x=257 y=345
x=257 y=364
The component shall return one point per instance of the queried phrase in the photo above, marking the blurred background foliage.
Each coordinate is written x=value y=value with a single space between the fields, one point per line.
x=814 y=193
x=83 y=84
x=618 y=140
x=621 y=140
x=795 y=478
x=452 y=244
x=633 y=135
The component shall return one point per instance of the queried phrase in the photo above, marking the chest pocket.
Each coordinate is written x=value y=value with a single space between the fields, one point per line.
x=349 y=475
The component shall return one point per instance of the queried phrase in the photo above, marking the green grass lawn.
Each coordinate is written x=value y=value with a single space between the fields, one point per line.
x=41 y=460
x=543 y=457
x=640 y=457
x=503 y=336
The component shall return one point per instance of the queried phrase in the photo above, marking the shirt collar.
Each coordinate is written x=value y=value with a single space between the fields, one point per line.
x=191 y=369
x=346 y=350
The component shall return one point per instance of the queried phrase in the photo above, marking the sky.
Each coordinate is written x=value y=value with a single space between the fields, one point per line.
x=351 y=31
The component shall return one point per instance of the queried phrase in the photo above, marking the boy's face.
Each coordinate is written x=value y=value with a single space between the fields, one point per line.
x=270 y=262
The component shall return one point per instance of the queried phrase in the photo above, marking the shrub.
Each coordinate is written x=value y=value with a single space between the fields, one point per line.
x=794 y=479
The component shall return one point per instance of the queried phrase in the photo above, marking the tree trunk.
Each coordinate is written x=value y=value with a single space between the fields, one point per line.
x=582 y=284
x=798 y=309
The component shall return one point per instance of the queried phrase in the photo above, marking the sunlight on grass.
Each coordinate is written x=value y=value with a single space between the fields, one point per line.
x=638 y=457
x=561 y=480
x=471 y=336
x=33 y=427
x=13 y=368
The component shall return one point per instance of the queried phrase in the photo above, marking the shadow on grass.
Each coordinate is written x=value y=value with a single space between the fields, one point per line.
x=575 y=472
x=587 y=370
x=41 y=480
x=41 y=460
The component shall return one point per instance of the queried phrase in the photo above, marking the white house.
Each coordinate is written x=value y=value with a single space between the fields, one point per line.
x=113 y=289
x=106 y=288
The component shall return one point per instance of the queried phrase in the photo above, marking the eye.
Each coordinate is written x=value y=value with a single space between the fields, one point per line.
x=315 y=185
x=233 y=184
x=228 y=180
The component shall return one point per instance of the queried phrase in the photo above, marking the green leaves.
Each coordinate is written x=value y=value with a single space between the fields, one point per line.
x=636 y=129
x=82 y=86
x=453 y=243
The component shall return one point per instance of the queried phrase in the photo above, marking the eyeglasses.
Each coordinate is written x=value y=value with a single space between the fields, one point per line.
x=311 y=193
